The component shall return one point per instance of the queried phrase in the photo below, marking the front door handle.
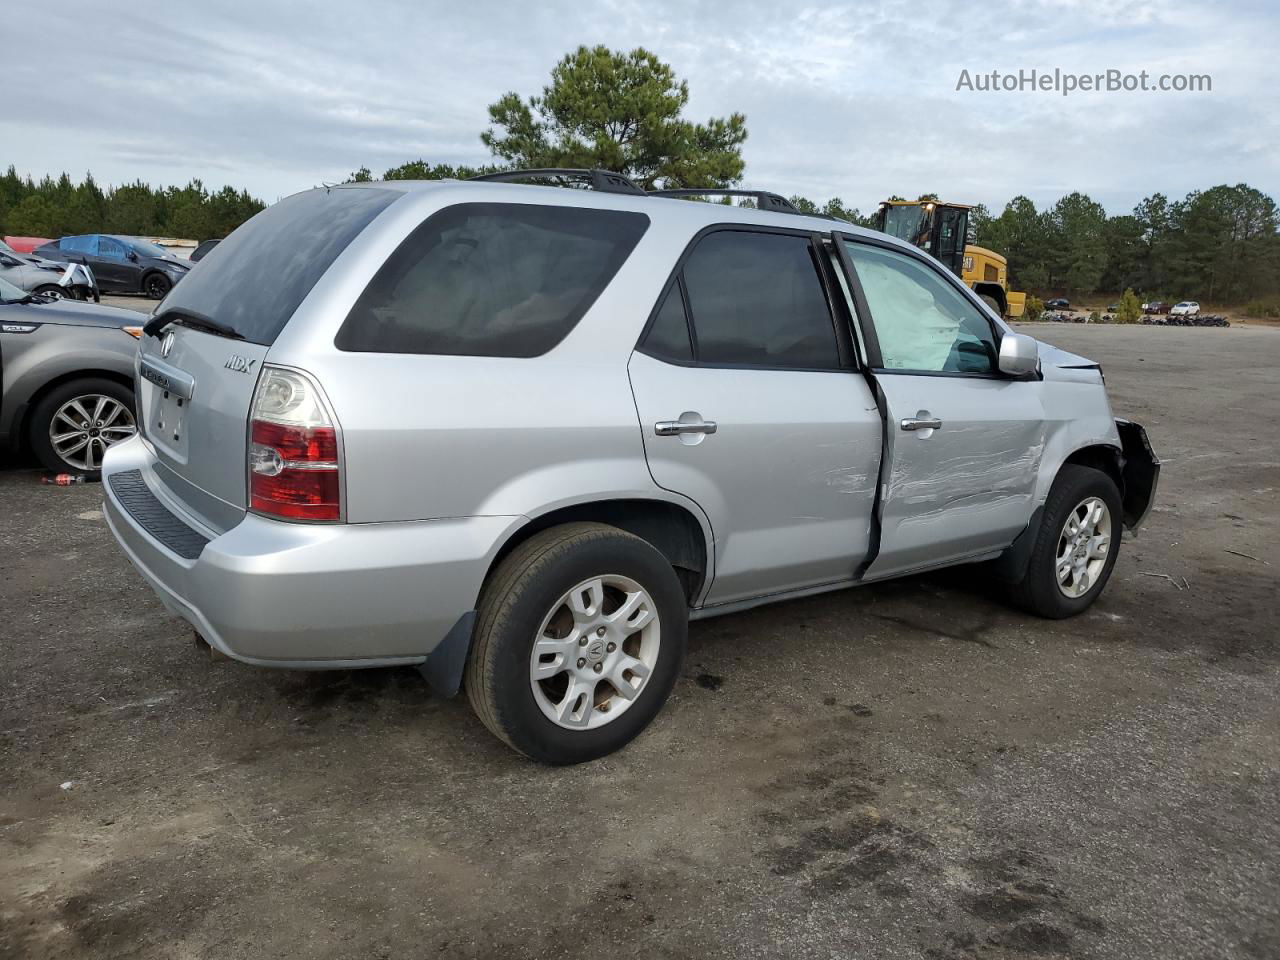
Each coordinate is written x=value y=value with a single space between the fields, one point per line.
x=674 y=428
x=923 y=420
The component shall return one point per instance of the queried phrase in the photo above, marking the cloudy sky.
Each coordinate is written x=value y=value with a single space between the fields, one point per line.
x=853 y=100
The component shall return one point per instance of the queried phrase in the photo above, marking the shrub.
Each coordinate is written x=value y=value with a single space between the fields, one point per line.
x=1034 y=309
x=1130 y=308
x=1268 y=308
x=1095 y=317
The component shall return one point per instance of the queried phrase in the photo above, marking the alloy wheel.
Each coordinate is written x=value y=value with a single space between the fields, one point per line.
x=84 y=427
x=595 y=652
x=1083 y=545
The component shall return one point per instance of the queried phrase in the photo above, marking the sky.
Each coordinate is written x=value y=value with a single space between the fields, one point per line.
x=855 y=100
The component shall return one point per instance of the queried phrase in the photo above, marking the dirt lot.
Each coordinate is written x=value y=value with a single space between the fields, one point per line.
x=904 y=770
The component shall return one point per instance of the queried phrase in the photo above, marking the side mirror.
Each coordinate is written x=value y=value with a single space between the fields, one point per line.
x=132 y=255
x=1019 y=356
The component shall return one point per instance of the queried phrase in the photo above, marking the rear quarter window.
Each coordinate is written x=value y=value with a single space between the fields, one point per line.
x=491 y=280
x=255 y=279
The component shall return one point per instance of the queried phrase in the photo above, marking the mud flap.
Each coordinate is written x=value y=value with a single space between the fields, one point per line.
x=444 y=665
x=1139 y=475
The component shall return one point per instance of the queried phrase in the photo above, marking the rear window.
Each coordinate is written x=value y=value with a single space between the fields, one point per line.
x=491 y=280
x=255 y=278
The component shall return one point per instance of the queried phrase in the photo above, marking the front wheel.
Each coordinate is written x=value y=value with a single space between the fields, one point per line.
x=52 y=291
x=993 y=303
x=1076 y=547
x=579 y=638
x=156 y=286
x=73 y=425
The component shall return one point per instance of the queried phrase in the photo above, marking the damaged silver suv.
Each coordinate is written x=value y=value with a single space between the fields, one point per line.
x=520 y=435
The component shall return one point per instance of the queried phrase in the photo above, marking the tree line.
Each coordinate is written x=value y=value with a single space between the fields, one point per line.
x=60 y=207
x=625 y=112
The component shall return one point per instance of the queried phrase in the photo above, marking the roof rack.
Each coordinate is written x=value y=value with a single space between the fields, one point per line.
x=763 y=198
x=604 y=180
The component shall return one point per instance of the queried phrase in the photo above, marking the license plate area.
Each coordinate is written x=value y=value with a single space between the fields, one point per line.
x=167 y=422
x=167 y=402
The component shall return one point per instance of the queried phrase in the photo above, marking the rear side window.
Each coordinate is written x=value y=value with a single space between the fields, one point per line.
x=87 y=244
x=256 y=277
x=757 y=300
x=491 y=280
x=668 y=337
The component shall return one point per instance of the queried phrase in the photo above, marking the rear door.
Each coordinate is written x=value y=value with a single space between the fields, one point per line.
x=751 y=406
x=964 y=443
x=198 y=385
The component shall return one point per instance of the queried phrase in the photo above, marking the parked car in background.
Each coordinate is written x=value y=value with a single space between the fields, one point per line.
x=1156 y=306
x=53 y=279
x=121 y=264
x=26 y=244
x=202 y=249
x=1187 y=308
x=1059 y=303
x=307 y=494
x=66 y=378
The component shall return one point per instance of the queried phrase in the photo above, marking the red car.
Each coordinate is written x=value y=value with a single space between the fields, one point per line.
x=25 y=244
x=1158 y=307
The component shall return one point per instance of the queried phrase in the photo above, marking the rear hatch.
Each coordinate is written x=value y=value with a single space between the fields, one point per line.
x=208 y=340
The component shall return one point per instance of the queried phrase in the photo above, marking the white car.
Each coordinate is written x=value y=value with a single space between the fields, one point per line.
x=1187 y=308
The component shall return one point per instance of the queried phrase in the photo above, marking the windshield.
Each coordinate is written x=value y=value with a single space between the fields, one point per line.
x=147 y=248
x=9 y=292
x=908 y=223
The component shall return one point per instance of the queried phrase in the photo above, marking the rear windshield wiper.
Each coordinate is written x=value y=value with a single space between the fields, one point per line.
x=189 y=318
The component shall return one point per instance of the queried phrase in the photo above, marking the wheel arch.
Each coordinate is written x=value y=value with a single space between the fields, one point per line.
x=673 y=529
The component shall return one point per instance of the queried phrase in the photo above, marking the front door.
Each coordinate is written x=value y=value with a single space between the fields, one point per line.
x=113 y=268
x=750 y=406
x=964 y=443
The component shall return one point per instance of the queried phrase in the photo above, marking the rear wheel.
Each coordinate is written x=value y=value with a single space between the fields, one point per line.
x=993 y=303
x=74 y=424
x=579 y=639
x=1077 y=546
x=156 y=286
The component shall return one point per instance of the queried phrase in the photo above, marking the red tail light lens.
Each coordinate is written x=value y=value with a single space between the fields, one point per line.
x=294 y=468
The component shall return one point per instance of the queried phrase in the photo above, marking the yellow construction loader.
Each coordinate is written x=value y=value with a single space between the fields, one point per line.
x=942 y=229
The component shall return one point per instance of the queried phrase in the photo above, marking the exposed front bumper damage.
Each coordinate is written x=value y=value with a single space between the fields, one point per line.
x=1139 y=474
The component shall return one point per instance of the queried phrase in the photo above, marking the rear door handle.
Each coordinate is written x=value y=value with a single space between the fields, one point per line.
x=923 y=420
x=674 y=428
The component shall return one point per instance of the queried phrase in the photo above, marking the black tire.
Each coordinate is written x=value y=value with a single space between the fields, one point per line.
x=46 y=409
x=993 y=303
x=156 y=286
x=521 y=592
x=54 y=291
x=1038 y=591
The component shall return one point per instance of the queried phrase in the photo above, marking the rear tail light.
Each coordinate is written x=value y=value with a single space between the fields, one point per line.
x=295 y=471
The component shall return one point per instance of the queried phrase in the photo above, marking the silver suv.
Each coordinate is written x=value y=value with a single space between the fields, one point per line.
x=520 y=435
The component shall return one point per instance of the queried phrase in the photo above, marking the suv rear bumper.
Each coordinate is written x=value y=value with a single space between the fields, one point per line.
x=302 y=596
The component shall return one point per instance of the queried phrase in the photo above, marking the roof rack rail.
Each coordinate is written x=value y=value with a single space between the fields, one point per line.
x=763 y=198
x=604 y=180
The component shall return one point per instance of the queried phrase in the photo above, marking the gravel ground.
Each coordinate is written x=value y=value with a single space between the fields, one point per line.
x=905 y=770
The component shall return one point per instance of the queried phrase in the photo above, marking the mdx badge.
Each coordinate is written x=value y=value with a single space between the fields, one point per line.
x=239 y=364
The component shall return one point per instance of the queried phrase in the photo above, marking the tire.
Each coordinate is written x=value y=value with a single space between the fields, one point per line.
x=525 y=600
x=1039 y=591
x=156 y=286
x=53 y=409
x=993 y=303
x=52 y=290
